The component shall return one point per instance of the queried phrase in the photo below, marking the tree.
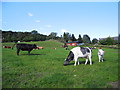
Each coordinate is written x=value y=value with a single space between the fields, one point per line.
x=9 y=36
x=73 y=38
x=80 y=39
x=34 y=32
x=52 y=35
x=66 y=36
x=107 y=41
x=110 y=41
x=86 y=39
x=94 y=41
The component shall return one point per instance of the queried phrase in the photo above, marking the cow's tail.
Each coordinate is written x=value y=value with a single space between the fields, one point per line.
x=13 y=45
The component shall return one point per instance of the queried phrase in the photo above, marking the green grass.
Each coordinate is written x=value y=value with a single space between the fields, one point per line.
x=44 y=68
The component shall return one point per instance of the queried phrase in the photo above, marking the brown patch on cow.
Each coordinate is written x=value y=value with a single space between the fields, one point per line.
x=115 y=84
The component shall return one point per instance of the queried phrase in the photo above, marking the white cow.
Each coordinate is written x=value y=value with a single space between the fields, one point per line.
x=79 y=52
x=100 y=54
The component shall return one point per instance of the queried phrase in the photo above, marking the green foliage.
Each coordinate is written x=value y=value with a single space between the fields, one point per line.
x=34 y=32
x=52 y=35
x=73 y=37
x=94 y=41
x=80 y=39
x=44 y=68
x=66 y=36
x=9 y=36
x=86 y=39
x=108 y=41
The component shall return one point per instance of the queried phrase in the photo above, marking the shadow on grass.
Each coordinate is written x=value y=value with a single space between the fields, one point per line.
x=81 y=62
x=33 y=54
x=104 y=60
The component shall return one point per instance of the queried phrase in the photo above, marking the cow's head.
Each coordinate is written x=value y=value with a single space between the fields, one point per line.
x=66 y=62
x=69 y=58
x=34 y=45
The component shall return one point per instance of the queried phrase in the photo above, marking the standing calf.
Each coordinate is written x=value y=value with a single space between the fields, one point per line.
x=100 y=54
x=79 y=52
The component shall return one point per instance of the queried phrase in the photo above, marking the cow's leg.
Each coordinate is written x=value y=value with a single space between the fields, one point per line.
x=90 y=60
x=78 y=62
x=18 y=50
x=99 y=57
x=102 y=58
x=75 y=61
x=86 y=61
x=29 y=52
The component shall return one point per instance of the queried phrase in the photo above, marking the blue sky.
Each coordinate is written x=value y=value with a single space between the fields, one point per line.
x=96 y=19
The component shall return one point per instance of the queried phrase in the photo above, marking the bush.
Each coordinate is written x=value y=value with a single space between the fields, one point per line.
x=108 y=41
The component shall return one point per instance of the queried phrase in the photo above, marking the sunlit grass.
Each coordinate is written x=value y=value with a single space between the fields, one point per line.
x=44 y=68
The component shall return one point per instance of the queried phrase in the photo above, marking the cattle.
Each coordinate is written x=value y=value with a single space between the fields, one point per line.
x=54 y=48
x=100 y=54
x=25 y=47
x=39 y=47
x=65 y=46
x=79 y=52
x=7 y=47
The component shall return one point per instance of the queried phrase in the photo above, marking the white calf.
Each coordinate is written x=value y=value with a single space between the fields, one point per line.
x=100 y=54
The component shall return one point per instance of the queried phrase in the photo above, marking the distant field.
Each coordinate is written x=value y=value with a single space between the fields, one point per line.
x=44 y=68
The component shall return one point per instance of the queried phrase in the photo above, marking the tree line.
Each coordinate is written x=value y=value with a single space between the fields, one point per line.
x=10 y=36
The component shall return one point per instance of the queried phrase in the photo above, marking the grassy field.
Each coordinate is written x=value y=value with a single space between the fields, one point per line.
x=44 y=68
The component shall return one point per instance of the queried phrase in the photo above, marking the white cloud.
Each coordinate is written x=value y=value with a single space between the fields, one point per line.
x=64 y=30
x=30 y=14
x=49 y=26
x=37 y=21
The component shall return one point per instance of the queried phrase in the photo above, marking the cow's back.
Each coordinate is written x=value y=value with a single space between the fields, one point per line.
x=101 y=51
x=24 y=46
x=76 y=51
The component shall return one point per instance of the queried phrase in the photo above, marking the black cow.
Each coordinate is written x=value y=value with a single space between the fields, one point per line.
x=25 y=47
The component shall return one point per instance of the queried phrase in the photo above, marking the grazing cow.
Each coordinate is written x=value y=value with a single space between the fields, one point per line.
x=100 y=54
x=25 y=47
x=75 y=53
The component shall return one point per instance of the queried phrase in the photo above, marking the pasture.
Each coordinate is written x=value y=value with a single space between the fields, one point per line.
x=44 y=68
